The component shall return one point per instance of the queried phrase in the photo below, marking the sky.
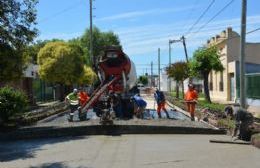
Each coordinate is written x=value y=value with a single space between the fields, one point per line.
x=143 y=26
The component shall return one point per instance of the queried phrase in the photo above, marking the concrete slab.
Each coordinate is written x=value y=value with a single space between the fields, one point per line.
x=58 y=125
x=128 y=151
x=119 y=127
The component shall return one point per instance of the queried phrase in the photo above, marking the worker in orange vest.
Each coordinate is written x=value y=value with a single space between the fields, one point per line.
x=83 y=99
x=191 y=97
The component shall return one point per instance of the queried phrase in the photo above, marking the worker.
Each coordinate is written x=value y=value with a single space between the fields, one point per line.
x=160 y=100
x=72 y=100
x=116 y=105
x=191 y=97
x=83 y=99
x=243 y=122
x=139 y=105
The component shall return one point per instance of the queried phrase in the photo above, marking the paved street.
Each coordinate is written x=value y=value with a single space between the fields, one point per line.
x=128 y=151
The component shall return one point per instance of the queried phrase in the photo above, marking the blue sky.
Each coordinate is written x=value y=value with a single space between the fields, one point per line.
x=145 y=25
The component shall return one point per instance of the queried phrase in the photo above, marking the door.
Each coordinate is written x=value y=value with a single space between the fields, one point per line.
x=232 y=87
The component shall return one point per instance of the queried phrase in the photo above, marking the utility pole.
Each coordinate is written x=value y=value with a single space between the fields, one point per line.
x=159 y=78
x=151 y=73
x=242 y=55
x=170 y=60
x=91 y=35
x=185 y=48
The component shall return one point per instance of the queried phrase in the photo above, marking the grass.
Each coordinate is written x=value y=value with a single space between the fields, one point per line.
x=226 y=123
x=212 y=106
x=202 y=103
x=173 y=94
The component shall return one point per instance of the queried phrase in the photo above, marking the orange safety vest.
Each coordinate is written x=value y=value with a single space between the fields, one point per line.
x=83 y=98
x=191 y=95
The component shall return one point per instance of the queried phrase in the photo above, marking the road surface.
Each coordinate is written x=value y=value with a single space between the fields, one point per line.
x=149 y=113
x=128 y=151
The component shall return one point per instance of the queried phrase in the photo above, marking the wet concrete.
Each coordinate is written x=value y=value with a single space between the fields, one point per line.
x=128 y=151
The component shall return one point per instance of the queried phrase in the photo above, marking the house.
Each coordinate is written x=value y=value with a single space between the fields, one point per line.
x=224 y=86
x=35 y=88
x=165 y=81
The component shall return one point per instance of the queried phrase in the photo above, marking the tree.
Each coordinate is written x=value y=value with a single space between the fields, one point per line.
x=179 y=71
x=60 y=62
x=100 y=40
x=17 y=19
x=88 y=76
x=31 y=51
x=205 y=60
x=143 y=80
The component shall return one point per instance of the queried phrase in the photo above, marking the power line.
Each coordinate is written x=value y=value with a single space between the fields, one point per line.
x=201 y=16
x=191 y=12
x=61 y=12
x=218 y=13
x=252 y=31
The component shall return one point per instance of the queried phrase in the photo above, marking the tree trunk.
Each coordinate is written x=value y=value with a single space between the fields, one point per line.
x=182 y=88
x=206 y=86
x=177 y=89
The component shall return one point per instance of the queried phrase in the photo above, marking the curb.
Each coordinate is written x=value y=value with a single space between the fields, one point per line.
x=51 y=132
x=44 y=113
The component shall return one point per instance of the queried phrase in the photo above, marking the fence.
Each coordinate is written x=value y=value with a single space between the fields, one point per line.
x=253 y=85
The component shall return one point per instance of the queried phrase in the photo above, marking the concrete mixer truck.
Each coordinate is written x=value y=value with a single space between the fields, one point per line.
x=117 y=83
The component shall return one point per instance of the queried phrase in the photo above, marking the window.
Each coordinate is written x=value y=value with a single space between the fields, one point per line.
x=221 y=82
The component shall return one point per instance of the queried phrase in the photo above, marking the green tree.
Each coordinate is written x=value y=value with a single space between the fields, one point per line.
x=179 y=71
x=205 y=60
x=60 y=62
x=88 y=76
x=17 y=20
x=143 y=80
x=31 y=51
x=100 y=40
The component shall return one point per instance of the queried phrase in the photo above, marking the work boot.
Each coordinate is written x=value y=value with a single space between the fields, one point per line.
x=192 y=118
x=167 y=114
x=70 y=119
x=159 y=115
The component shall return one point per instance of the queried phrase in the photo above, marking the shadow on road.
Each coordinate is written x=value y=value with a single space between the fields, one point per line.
x=55 y=165
x=26 y=148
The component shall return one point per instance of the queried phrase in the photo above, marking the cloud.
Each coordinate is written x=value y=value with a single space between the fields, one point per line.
x=135 y=14
x=146 y=39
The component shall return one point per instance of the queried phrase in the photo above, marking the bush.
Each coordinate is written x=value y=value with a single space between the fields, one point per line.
x=12 y=102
